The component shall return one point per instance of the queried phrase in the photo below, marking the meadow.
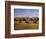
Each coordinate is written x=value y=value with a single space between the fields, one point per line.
x=26 y=23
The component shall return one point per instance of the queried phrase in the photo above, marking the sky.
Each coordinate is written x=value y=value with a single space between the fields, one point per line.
x=26 y=12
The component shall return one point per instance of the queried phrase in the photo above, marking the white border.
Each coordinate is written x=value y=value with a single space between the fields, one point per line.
x=25 y=31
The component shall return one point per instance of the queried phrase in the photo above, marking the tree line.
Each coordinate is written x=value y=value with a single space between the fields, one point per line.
x=35 y=19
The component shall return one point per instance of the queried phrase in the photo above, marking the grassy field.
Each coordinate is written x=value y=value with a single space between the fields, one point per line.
x=26 y=23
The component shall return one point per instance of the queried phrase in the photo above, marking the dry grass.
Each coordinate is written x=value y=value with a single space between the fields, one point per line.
x=24 y=26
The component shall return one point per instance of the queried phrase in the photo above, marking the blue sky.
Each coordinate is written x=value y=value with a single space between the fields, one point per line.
x=26 y=12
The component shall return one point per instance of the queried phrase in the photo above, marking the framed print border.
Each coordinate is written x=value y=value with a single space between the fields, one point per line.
x=8 y=19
